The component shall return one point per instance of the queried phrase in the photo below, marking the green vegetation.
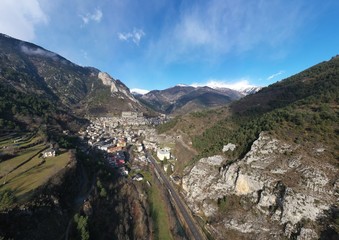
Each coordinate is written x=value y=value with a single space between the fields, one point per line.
x=167 y=126
x=101 y=189
x=26 y=172
x=7 y=198
x=17 y=108
x=23 y=156
x=82 y=226
x=306 y=111
x=158 y=209
x=319 y=82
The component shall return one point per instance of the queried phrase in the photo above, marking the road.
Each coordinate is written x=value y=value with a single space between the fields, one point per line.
x=187 y=217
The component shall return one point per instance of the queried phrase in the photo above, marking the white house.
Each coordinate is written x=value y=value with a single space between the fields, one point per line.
x=138 y=177
x=105 y=147
x=163 y=153
x=49 y=153
x=139 y=147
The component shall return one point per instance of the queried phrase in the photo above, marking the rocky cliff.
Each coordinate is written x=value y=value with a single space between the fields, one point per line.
x=277 y=190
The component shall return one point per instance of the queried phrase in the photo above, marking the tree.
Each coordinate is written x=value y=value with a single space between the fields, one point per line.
x=103 y=193
x=82 y=226
x=6 y=199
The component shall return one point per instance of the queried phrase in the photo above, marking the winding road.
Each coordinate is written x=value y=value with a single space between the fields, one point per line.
x=187 y=217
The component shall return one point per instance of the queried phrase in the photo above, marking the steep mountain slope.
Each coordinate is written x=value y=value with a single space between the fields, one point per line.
x=318 y=81
x=29 y=70
x=183 y=99
x=301 y=106
x=270 y=170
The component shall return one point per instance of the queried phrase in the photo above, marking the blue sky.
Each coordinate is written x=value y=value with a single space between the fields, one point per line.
x=156 y=44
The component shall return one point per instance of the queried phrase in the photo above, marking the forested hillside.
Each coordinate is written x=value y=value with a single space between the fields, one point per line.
x=39 y=87
x=301 y=108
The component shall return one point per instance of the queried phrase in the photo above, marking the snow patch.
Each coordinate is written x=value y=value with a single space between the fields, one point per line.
x=139 y=91
x=242 y=86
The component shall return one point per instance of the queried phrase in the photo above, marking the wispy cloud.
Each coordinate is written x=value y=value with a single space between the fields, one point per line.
x=20 y=18
x=239 y=85
x=275 y=75
x=95 y=16
x=37 y=51
x=209 y=29
x=135 y=36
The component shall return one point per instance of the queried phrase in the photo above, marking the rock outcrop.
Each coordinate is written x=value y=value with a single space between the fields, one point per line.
x=107 y=80
x=115 y=85
x=276 y=190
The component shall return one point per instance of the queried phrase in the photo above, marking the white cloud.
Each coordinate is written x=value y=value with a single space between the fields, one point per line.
x=210 y=29
x=96 y=16
x=140 y=91
x=238 y=85
x=19 y=19
x=275 y=75
x=38 y=51
x=134 y=36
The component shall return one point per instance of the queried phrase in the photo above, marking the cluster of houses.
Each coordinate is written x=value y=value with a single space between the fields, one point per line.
x=130 y=119
x=111 y=140
x=113 y=134
x=118 y=160
x=108 y=139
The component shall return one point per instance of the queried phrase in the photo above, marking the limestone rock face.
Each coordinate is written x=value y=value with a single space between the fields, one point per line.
x=116 y=86
x=280 y=190
x=107 y=80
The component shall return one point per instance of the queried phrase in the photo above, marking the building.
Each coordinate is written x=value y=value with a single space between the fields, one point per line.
x=48 y=153
x=129 y=114
x=105 y=147
x=114 y=149
x=139 y=147
x=121 y=143
x=138 y=177
x=164 y=153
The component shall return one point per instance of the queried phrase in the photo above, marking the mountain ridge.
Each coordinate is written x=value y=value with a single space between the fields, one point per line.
x=181 y=99
x=270 y=163
x=34 y=72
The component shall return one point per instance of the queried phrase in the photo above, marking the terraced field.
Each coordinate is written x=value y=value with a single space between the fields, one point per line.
x=27 y=171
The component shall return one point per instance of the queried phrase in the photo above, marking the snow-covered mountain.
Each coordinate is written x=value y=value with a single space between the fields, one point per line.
x=138 y=91
x=183 y=98
x=249 y=90
x=244 y=90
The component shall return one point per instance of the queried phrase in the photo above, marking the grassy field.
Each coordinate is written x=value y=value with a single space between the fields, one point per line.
x=158 y=210
x=28 y=171
x=24 y=155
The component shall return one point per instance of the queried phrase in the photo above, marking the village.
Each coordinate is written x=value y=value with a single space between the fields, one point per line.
x=121 y=139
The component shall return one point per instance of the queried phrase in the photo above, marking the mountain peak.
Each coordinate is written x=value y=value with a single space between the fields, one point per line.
x=182 y=85
x=86 y=90
x=242 y=87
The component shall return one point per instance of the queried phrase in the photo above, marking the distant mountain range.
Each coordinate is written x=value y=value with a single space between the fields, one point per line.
x=37 y=85
x=244 y=91
x=182 y=99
